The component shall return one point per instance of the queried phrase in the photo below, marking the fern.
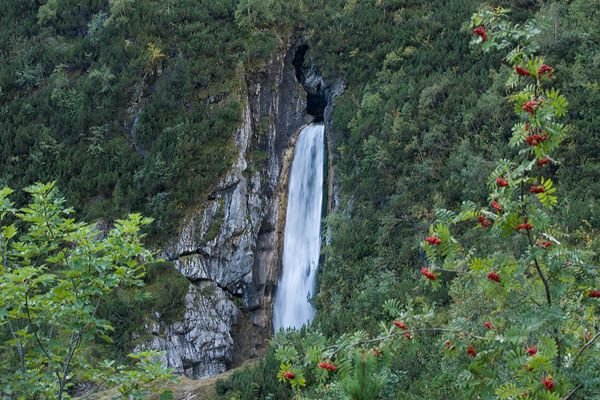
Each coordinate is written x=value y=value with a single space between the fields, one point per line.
x=469 y=211
x=313 y=354
x=518 y=134
x=547 y=348
x=478 y=264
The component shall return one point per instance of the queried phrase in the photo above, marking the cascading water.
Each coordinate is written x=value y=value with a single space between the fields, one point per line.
x=302 y=240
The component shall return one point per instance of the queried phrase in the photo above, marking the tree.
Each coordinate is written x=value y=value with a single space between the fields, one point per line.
x=54 y=273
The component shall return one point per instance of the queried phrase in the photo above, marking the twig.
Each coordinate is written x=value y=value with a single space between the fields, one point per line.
x=73 y=344
x=586 y=346
x=572 y=392
x=37 y=338
x=539 y=271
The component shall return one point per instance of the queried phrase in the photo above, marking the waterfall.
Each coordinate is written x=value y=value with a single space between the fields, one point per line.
x=302 y=241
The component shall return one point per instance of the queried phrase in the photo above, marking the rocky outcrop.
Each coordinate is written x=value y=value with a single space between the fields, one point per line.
x=200 y=344
x=229 y=249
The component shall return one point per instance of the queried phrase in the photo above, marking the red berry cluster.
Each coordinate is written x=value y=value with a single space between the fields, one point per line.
x=543 y=161
x=548 y=383
x=289 y=375
x=501 y=182
x=535 y=139
x=525 y=226
x=522 y=71
x=428 y=274
x=544 y=244
x=480 y=31
x=493 y=276
x=400 y=325
x=484 y=222
x=327 y=365
x=531 y=106
x=488 y=325
x=594 y=293
x=537 y=189
x=532 y=350
x=496 y=206
x=471 y=351
x=433 y=240
x=545 y=70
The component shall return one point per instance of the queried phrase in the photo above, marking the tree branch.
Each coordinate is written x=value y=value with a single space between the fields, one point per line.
x=539 y=271
x=585 y=347
x=37 y=338
x=409 y=331
x=73 y=344
x=572 y=392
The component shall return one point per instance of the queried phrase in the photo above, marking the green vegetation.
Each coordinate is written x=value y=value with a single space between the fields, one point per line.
x=417 y=128
x=129 y=308
x=129 y=105
x=54 y=274
x=524 y=302
x=255 y=382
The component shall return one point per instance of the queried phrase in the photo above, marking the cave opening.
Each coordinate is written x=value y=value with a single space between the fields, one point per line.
x=309 y=78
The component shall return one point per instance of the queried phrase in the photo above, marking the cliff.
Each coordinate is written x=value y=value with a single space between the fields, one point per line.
x=230 y=248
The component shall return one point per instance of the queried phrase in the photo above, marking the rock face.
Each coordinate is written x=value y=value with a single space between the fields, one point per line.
x=230 y=249
x=199 y=345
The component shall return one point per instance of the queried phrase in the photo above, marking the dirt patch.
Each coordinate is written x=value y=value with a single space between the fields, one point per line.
x=183 y=389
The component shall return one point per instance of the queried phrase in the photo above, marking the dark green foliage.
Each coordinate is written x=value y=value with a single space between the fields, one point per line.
x=129 y=309
x=364 y=260
x=362 y=384
x=417 y=127
x=257 y=382
x=129 y=105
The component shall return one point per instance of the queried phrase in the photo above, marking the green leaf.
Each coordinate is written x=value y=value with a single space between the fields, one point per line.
x=9 y=231
x=547 y=348
x=557 y=102
x=106 y=338
x=508 y=391
x=547 y=197
x=478 y=264
x=392 y=307
x=286 y=354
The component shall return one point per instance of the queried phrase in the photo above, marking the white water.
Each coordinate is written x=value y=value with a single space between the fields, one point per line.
x=302 y=240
